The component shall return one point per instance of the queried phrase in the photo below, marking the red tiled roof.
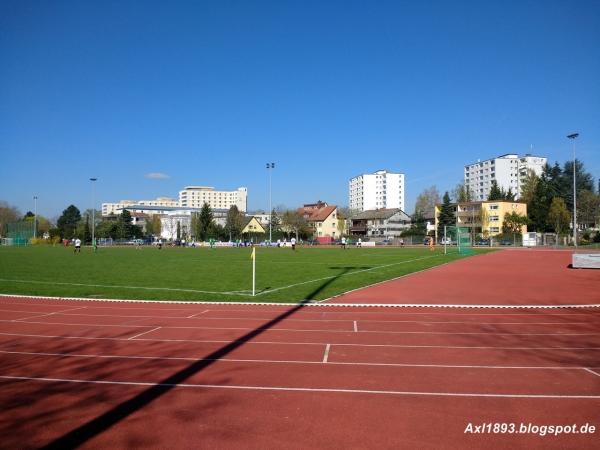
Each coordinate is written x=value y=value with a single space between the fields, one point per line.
x=317 y=214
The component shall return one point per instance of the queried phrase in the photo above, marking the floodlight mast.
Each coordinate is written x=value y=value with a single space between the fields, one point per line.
x=270 y=167
x=574 y=136
x=93 y=180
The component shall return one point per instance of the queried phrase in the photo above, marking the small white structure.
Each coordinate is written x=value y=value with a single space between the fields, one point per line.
x=529 y=239
x=586 y=261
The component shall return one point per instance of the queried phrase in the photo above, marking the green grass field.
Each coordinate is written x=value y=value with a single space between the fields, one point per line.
x=223 y=274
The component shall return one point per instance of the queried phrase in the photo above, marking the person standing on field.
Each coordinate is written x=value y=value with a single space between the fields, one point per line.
x=293 y=241
x=77 y=246
x=344 y=243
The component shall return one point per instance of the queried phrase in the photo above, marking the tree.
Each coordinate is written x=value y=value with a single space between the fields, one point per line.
x=427 y=200
x=153 y=227
x=275 y=221
x=8 y=214
x=446 y=215
x=528 y=187
x=204 y=222
x=462 y=193
x=125 y=229
x=588 y=208
x=558 y=216
x=106 y=229
x=495 y=192
x=513 y=222
x=83 y=230
x=67 y=222
x=293 y=221
x=418 y=226
x=584 y=181
x=234 y=221
x=546 y=188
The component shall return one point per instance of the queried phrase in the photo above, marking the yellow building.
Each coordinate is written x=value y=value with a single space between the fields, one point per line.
x=323 y=219
x=483 y=218
x=251 y=225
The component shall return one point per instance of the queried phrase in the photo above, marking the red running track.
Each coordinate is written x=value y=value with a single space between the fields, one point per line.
x=508 y=277
x=120 y=375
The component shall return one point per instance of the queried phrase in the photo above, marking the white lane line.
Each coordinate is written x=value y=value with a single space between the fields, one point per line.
x=322 y=320
x=293 y=361
x=37 y=316
x=591 y=371
x=210 y=341
x=300 y=389
x=197 y=314
x=115 y=286
x=301 y=330
x=145 y=332
x=355 y=327
x=326 y=355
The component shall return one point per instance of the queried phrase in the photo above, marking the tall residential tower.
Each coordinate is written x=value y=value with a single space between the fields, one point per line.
x=509 y=171
x=378 y=190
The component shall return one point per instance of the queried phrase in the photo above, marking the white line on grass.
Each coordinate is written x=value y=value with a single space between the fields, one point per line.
x=215 y=341
x=114 y=286
x=145 y=332
x=269 y=291
x=299 y=389
x=285 y=361
x=326 y=355
x=591 y=371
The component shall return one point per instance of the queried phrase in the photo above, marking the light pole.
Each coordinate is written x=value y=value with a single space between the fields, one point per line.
x=270 y=167
x=35 y=216
x=93 y=180
x=573 y=137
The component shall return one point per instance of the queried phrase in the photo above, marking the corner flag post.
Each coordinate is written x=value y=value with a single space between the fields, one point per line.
x=253 y=256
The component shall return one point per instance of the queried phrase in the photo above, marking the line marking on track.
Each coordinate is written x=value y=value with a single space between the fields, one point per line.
x=214 y=341
x=37 y=316
x=591 y=371
x=300 y=389
x=145 y=332
x=326 y=355
x=286 y=361
x=308 y=305
x=355 y=327
x=300 y=330
x=197 y=314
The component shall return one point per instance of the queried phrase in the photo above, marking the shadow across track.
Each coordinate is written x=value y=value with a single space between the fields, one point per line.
x=98 y=425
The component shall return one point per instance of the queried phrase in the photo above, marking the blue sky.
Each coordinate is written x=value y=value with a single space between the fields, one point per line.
x=208 y=92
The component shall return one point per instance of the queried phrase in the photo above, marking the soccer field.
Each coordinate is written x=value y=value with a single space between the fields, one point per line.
x=221 y=274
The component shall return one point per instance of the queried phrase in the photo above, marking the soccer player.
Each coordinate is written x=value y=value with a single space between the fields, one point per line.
x=77 y=246
x=293 y=241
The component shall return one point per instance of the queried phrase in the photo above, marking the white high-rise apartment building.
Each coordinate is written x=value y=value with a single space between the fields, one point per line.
x=378 y=190
x=196 y=196
x=509 y=171
x=115 y=208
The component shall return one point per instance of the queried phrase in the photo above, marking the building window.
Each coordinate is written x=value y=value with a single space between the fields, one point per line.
x=493 y=206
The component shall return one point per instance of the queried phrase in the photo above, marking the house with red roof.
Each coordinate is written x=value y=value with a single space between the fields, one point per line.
x=324 y=220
